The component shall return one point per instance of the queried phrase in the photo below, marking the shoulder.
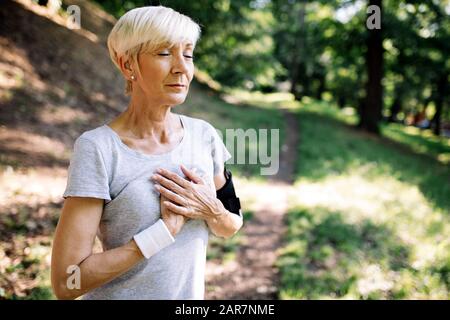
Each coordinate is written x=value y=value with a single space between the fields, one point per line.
x=197 y=122
x=94 y=135
x=97 y=138
x=200 y=126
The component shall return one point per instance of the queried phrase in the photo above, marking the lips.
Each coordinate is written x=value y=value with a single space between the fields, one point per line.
x=177 y=85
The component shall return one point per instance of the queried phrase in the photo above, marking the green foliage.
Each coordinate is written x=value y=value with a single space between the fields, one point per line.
x=369 y=219
x=330 y=52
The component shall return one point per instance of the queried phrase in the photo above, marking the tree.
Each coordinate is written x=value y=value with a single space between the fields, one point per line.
x=370 y=110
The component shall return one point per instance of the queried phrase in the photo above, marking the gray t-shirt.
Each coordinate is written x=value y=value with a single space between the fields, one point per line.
x=104 y=167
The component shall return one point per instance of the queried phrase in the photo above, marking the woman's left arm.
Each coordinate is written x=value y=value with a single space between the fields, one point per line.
x=227 y=222
x=196 y=199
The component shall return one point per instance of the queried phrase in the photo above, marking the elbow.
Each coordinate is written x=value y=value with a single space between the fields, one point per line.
x=227 y=236
x=61 y=290
x=62 y=293
x=227 y=228
x=224 y=234
x=231 y=232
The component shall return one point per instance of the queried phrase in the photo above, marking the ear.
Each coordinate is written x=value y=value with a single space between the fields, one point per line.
x=125 y=67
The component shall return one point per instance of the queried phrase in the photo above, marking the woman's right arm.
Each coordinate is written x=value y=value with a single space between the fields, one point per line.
x=73 y=244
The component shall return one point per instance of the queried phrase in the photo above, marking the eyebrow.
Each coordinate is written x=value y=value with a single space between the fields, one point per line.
x=187 y=45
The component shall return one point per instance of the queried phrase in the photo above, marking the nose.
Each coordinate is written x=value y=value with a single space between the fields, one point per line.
x=179 y=64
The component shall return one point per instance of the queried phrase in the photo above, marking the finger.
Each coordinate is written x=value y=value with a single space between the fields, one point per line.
x=191 y=175
x=174 y=177
x=169 y=184
x=178 y=209
x=171 y=213
x=171 y=195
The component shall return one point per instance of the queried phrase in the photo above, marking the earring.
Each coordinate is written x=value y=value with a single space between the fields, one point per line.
x=133 y=77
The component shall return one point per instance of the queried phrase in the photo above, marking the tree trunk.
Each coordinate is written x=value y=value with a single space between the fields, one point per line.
x=298 y=51
x=370 y=111
x=321 y=87
x=341 y=101
x=396 y=106
x=439 y=101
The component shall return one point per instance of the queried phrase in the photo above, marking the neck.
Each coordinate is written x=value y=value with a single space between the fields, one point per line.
x=146 y=120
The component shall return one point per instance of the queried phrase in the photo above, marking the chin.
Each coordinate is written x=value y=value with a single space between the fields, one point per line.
x=174 y=100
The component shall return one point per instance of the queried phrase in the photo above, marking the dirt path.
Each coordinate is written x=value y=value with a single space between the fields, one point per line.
x=253 y=274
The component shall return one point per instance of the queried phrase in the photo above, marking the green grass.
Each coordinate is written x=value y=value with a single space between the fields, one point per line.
x=369 y=216
x=327 y=257
x=330 y=148
x=419 y=140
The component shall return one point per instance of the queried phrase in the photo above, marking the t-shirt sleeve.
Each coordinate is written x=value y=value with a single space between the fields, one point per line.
x=219 y=152
x=87 y=174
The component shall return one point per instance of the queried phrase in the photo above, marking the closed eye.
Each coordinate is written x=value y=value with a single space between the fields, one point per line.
x=168 y=54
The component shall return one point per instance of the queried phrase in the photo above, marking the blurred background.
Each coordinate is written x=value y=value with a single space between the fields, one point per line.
x=360 y=206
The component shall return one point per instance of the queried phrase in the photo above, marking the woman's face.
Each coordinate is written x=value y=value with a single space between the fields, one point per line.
x=167 y=73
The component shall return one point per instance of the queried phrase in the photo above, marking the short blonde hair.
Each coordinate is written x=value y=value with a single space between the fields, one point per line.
x=147 y=29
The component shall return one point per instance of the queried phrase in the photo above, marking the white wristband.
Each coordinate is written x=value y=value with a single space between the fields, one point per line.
x=153 y=239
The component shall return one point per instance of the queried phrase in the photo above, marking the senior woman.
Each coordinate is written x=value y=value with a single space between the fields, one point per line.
x=147 y=183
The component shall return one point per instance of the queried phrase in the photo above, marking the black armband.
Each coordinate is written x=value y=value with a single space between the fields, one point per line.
x=227 y=195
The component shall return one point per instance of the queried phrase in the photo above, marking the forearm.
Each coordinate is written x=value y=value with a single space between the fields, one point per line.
x=225 y=224
x=100 y=268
